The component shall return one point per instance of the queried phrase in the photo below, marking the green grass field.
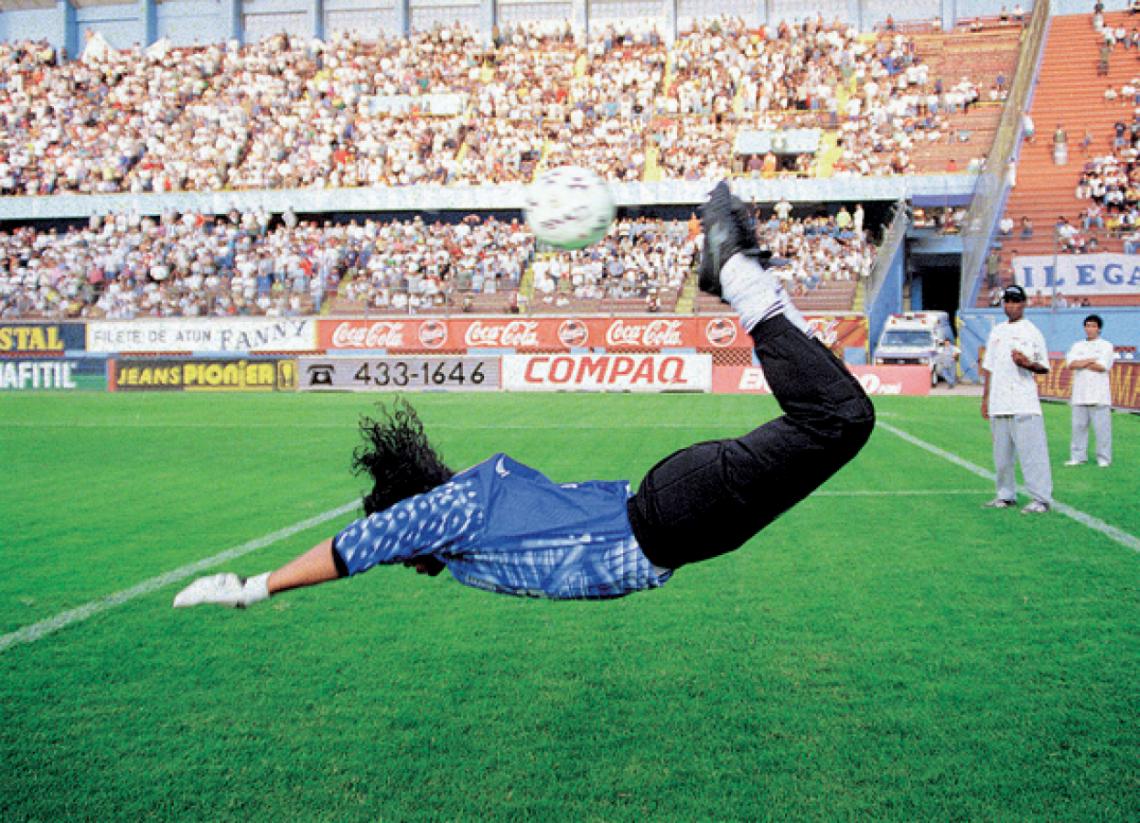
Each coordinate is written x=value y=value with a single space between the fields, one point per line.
x=887 y=650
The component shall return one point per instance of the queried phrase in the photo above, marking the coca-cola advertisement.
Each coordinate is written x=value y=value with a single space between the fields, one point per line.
x=368 y=334
x=502 y=334
x=643 y=333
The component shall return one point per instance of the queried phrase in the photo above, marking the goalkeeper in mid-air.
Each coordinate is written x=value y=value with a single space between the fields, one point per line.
x=505 y=527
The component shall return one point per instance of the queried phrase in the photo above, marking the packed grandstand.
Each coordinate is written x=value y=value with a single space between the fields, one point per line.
x=151 y=158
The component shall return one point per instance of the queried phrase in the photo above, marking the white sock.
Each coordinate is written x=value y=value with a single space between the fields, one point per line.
x=256 y=589
x=755 y=293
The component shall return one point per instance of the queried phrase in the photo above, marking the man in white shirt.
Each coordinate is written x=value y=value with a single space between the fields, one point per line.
x=1015 y=352
x=1090 y=359
x=946 y=362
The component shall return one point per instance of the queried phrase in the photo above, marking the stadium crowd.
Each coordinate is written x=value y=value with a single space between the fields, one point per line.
x=1110 y=185
x=188 y=265
x=123 y=265
x=443 y=107
x=640 y=258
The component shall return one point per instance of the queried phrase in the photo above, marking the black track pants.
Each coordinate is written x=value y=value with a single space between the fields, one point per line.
x=712 y=497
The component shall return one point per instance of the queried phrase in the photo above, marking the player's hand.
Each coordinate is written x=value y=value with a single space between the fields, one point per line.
x=429 y=565
x=1020 y=359
x=985 y=409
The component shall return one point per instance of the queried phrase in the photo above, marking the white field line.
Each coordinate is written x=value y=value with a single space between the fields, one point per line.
x=36 y=631
x=32 y=633
x=1095 y=523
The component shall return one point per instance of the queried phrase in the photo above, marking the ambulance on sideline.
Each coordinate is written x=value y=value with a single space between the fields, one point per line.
x=913 y=337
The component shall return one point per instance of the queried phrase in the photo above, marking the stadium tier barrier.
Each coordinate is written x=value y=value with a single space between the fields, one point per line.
x=653 y=353
x=487 y=197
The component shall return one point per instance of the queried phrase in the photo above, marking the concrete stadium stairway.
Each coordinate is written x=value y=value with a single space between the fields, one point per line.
x=1069 y=93
x=980 y=56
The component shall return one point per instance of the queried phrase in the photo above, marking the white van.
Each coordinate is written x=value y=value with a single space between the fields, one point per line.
x=912 y=338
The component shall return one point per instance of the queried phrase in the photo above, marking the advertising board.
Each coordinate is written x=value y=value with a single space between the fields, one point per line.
x=1078 y=275
x=52 y=373
x=607 y=372
x=1123 y=379
x=207 y=335
x=876 y=380
x=199 y=375
x=41 y=338
x=566 y=333
x=410 y=373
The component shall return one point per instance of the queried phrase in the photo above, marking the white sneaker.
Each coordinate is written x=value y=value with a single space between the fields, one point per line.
x=226 y=589
x=1074 y=462
x=1036 y=507
x=1104 y=464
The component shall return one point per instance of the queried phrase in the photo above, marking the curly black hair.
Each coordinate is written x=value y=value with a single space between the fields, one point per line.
x=397 y=456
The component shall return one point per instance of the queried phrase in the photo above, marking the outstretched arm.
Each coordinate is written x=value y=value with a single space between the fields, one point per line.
x=318 y=565
x=314 y=566
x=408 y=532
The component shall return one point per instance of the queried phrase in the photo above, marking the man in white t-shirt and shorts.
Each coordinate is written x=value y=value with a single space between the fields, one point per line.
x=1090 y=359
x=1015 y=352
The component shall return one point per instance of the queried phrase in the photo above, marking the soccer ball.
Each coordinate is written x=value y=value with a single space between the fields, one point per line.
x=569 y=207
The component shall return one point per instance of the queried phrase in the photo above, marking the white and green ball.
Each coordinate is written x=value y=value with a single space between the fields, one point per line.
x=569 y=207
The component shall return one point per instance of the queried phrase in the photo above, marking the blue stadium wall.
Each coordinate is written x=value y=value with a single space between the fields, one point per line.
x=1061 y=328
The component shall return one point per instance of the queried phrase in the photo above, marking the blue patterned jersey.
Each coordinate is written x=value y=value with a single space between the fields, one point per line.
x=507 y=528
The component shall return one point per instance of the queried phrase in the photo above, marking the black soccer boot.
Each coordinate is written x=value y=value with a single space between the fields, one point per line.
x=729 y=229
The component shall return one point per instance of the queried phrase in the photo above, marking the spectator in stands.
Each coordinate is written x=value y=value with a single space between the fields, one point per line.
x=1026 y=227
x=993 y=266
x=1092 y=217
x=1060 y=146
x=1066 y=236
